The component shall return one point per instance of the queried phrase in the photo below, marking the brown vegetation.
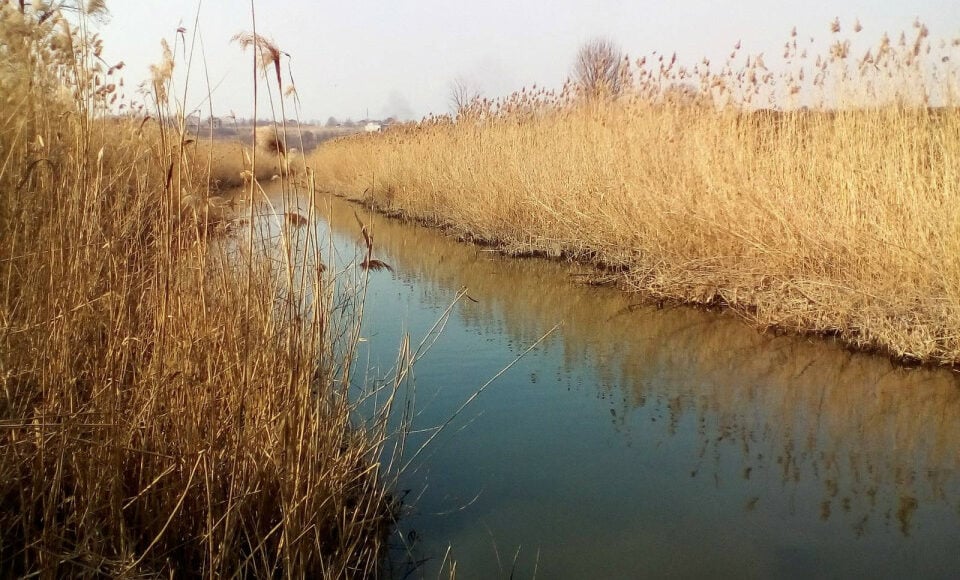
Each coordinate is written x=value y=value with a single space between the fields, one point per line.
x=835 y=214
x=225 y=161
x=170 y=403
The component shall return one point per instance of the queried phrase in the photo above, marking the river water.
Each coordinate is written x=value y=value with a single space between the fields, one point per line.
x=643 y=442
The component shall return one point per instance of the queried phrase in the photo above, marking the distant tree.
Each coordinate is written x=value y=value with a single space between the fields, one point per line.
x=349 y=122
x=600 y=69
x=462 y=94
x=683 y=94
x=332 y=122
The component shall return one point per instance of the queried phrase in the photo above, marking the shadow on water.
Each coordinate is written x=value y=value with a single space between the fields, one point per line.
x=655 y=442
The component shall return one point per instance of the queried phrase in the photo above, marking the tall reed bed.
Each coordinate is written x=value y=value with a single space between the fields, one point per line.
x=168 y=406
x=835 y=213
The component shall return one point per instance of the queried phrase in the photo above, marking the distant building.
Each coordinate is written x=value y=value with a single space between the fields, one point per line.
x=215 y=122
x=372 y=127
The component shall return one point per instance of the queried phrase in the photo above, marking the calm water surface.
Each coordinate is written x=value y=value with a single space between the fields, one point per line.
x=636 y=442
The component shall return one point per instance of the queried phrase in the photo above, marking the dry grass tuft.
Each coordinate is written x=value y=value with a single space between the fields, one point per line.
x=228 y=164
x=836 y=213
x=270 y=140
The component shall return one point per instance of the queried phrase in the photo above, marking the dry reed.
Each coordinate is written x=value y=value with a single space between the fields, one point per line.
x=835 y=214
x=156 y=416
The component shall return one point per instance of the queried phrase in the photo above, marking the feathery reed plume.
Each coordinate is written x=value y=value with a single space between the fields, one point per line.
x=775 y=189
x=268 y=51
x=162 y=72
x=96 y=8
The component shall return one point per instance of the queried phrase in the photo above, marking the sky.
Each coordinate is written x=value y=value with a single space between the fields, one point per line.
x=376 y=59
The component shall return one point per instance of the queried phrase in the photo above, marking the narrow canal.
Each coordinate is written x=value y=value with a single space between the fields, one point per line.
x=644 y=442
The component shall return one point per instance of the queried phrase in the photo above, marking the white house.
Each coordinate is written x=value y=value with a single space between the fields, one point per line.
x=372 y=127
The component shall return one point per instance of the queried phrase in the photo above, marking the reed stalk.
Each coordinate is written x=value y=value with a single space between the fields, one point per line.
x=169 y=403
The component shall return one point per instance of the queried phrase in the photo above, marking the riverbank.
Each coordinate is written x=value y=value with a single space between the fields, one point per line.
x=171 y=401
x=713 y=439
x=840 y=222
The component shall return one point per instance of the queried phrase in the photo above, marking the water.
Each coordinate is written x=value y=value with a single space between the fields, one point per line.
x=637 y=442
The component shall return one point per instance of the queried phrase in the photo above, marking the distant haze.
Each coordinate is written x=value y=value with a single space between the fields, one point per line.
x=398 y=59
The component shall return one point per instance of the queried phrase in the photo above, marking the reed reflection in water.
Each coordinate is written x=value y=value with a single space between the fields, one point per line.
x=830 y=458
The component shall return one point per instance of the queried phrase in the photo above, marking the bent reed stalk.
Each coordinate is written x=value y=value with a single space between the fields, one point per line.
x=836 y=214
x=127 y=446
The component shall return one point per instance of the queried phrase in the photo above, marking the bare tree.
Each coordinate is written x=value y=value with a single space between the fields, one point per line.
x=462 y=94
x=683 y=94
x=599 y=70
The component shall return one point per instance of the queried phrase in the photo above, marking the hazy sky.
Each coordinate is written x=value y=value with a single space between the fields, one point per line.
x=398 y=57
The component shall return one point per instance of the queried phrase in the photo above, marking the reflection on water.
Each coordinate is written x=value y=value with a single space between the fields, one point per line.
x=655 y=442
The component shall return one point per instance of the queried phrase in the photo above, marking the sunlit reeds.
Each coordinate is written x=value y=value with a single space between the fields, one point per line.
x=157 y=417
x=815 y=194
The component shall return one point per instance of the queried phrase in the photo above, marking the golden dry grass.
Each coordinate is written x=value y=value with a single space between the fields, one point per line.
x=228 y=162
x=168 y=405
x=839 y=217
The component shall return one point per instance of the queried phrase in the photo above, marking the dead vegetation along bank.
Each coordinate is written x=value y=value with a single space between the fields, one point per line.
x=166 y=407
x=842 y=220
